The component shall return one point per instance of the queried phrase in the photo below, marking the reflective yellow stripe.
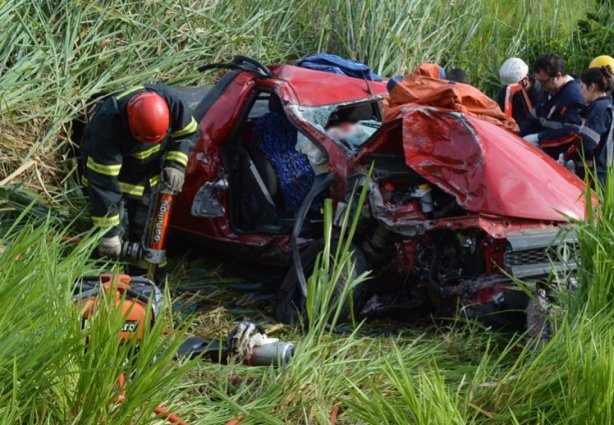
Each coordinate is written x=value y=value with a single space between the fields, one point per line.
x=106 y=221
x=84 y=180
x=154 y=181
x=147 y=153
x=106 y=169
x=129 y=91
x=177 y=156
x=131 y=189
x=188 y=129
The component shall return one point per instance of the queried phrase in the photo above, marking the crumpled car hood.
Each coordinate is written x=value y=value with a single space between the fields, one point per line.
x=488 y=169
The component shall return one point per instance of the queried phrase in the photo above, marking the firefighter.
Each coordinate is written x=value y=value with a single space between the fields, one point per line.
x=555 y=119
x=133 y=139
x=596 y=142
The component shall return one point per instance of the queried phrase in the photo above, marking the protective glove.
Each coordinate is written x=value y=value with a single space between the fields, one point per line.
x=110 y=247
x=569 y=164
x=242 y=340
x=173 y=178
x=532 y=139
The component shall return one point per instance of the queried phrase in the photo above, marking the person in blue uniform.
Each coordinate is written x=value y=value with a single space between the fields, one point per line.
x=555 y=119
x=594 y=146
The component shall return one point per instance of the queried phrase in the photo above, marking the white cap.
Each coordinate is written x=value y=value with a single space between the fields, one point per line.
x=513 y=70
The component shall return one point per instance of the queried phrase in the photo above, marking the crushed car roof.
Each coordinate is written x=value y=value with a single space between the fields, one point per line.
x=317 y=88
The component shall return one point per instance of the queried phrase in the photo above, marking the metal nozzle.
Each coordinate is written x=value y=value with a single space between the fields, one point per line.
x=276 y=353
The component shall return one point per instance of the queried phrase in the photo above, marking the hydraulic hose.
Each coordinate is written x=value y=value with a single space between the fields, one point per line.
x=320 y=183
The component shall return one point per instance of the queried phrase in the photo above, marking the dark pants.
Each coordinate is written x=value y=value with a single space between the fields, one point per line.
x=137 y=211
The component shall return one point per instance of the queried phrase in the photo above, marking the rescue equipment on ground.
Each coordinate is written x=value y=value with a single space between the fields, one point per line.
x=247 y=343
x=133 y=295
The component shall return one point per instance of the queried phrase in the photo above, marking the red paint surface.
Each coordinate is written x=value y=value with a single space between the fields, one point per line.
x=315 y=88
x=488 y=169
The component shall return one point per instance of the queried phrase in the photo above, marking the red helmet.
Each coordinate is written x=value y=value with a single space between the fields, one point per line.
x=148 y=117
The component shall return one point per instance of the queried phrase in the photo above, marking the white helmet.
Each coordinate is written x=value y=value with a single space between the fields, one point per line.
x=513 y=70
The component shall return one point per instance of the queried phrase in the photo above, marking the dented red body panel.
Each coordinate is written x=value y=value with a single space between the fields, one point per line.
x=306 y=87
x=488 y=169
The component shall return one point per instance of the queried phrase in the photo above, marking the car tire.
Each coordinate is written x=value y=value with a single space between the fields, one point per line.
x=290 y=304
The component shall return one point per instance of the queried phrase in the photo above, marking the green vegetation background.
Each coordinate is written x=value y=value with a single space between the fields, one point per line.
x=56 y=55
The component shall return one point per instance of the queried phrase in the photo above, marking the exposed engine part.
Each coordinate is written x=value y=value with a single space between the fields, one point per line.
x=380 y=237
x=449 y=258
x=539 y=311
x=440 y=261
x=445 y=206
x=469 y=289
x=423 y=193
x=472 y=256
x=470 y=245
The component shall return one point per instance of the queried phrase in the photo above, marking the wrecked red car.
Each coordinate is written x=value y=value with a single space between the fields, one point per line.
x=457 y=207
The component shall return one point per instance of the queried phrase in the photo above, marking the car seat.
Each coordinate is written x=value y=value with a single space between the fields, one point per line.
x=257 y=208
x=286 y=172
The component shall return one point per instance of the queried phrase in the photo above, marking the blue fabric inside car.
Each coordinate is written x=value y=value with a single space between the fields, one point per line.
x=337 y=65
x=275 y=137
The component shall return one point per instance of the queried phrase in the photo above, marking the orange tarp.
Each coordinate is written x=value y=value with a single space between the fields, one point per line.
x=421 y=87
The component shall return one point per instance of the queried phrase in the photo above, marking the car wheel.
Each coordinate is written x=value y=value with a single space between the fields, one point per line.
x=290 y=304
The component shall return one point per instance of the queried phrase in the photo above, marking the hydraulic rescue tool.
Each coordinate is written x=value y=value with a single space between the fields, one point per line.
x=152 y=249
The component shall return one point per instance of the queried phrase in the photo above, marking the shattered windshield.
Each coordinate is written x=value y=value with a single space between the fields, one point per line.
x=349 y=125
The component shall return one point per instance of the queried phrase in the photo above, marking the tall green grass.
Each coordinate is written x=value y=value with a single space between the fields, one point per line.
x=52 y=370
x=57 y=56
